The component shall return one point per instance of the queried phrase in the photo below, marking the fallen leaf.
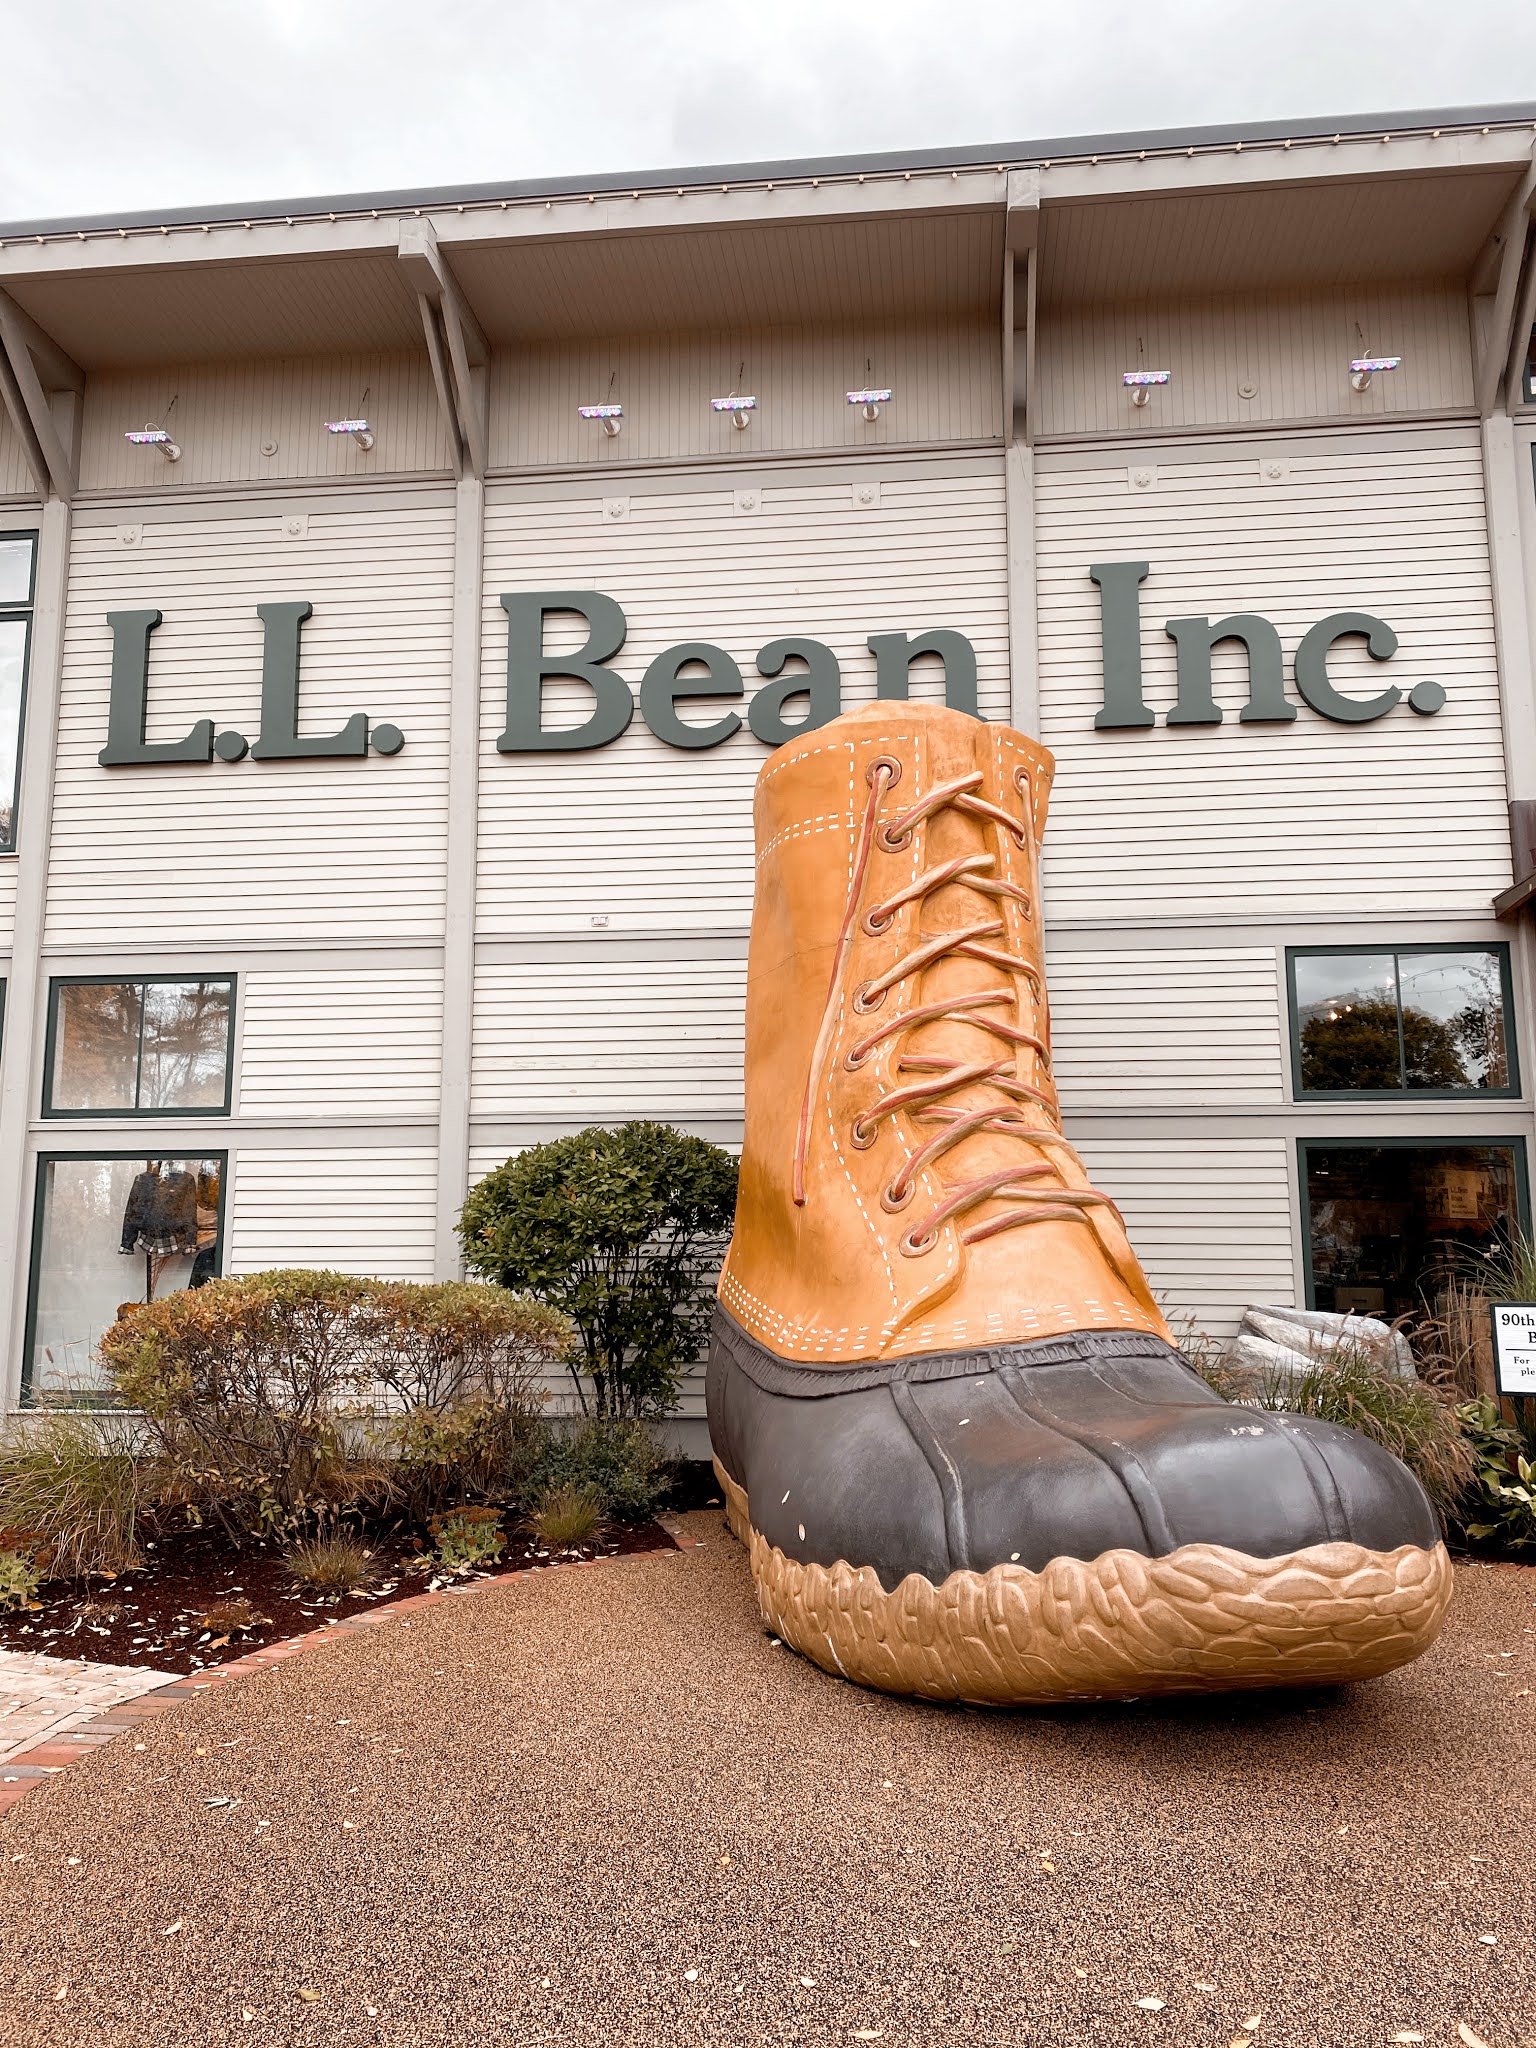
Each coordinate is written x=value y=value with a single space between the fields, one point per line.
x=690 y=1976
x=62 y=1992
x=246 y=2013
x=220 y=1801
x=174 y=1928
x=1047 y=1866
x=1241 y=2041
x=809 y=1983
x=1081 y=1975
x=1489 y=1940
x=1465 y=2034
x=868 y=2034
x=1251 y=2023
x=309 y=1997
x=1151 y=2004
x=1406 y=2034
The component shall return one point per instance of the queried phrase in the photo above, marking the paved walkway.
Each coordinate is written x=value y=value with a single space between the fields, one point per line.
x=43 y=1698
x=600 y=1806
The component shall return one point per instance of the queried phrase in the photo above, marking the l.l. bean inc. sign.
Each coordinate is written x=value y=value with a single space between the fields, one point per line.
x=793 y=668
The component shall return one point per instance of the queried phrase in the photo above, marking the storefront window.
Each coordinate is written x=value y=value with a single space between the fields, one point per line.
x=17 y=560
x=112 y=1231
x=1388 y=1225
x=139 y=1048
x=1428 y=1019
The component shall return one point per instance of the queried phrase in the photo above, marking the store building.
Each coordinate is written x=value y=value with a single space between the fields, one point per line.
x=381 y=792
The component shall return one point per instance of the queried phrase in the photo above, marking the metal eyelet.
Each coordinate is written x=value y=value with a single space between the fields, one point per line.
x=863 y=1002
x=892 y=1203
x=883 y=761
x=873 y=926
x=854 y=1058
x=893 y=843
x=912 y=1249
x=862 y=1136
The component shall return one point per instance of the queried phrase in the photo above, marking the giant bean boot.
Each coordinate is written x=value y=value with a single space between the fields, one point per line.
x=951 y=1425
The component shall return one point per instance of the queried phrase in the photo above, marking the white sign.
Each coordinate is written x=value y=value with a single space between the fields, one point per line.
x=1514 y=1346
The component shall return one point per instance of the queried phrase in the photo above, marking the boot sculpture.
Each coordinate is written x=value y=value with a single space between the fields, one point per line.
x=950 y=1422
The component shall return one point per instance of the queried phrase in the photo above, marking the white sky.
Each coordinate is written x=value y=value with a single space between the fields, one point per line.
x=109 y=104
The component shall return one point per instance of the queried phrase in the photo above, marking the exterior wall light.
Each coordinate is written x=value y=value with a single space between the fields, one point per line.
x=611 y=416
x=1363 y=368
x=359 y=430
x=740 y=410
x=151 y=436
x=1139 y=383
x=871 y=401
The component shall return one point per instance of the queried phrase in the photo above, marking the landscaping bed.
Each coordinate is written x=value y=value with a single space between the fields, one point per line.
x=195 y=1602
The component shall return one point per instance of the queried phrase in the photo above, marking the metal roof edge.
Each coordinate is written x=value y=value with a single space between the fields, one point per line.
x=967 y=157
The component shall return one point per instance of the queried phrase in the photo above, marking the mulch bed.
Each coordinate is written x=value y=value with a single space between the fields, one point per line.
x=167 y=1615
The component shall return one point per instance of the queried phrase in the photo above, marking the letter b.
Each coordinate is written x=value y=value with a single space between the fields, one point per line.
x=528 y=665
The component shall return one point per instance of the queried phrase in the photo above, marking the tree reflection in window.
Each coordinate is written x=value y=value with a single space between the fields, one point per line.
x=1374 y=1023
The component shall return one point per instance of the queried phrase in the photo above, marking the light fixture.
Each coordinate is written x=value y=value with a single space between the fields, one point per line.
x=1139 y=383
x=871 y=401
x=738 y=408
x=1363 y=368
x=151 y=436
x=611 y=416
x=359 y=430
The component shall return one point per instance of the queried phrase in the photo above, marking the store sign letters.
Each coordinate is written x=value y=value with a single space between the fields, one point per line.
x=1124 y=707
x=793 y=668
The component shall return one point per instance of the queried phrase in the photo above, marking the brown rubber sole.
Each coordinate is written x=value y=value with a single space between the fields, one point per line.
x=1120 y=1626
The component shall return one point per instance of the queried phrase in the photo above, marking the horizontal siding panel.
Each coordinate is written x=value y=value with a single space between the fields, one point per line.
x=1214 y=1232
x=341 y=1045
x=279 y=850
x=367 y=1211
x=549 y=1041
x=1402 y=815
x=1152 y=1030
x=1266 y=356
x=650 y=837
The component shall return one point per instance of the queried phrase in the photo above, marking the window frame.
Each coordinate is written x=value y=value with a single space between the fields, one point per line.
x=50 y=1048
x=25 y=610
x=35 y=1253
x=1498 y=947
x=1419 y=1142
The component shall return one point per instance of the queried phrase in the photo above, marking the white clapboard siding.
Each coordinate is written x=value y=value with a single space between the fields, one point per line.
x=16 y=480
x=228 y=414
x=1402 y=815
x=328 y=1044
x=366 y=1210
x=1260 y=357
x=1150 y=1030
x=947 y=380
x=1210 y=1221
x=652 y=837
x=280 y=850
x=560 y=1040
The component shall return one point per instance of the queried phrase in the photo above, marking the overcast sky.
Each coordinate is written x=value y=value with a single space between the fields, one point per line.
x=109 y=104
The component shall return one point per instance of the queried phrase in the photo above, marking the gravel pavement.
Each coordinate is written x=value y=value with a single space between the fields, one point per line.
x=599 y=1806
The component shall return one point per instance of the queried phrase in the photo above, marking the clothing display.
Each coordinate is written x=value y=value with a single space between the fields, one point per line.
x=160 y=1217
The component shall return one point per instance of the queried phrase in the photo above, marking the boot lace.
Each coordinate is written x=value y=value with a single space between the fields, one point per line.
x=1027 y=1113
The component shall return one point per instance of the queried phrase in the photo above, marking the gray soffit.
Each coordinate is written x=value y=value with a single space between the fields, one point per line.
x=1061 y=148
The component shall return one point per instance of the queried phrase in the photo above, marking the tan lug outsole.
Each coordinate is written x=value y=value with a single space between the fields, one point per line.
x=1122 y=1626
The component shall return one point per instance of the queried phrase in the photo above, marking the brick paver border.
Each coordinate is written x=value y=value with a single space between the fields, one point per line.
x=18 y=1774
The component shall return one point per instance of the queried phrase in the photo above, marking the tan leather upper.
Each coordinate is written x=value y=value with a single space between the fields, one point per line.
x=835 y=1276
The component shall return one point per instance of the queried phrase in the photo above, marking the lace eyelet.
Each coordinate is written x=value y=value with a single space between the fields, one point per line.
x=873 y=926
x=860 y=1136
x=863 y=1002
x=854 y=1058
x=885 y=761
x=892 y=1203
x=913 y=1248
x=893 y=843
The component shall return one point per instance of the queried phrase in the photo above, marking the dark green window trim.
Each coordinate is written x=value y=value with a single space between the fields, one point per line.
x=1428 y=1141
x=34 y=1266
x=20 y=609
x=50 y=1047
x=1498 y=947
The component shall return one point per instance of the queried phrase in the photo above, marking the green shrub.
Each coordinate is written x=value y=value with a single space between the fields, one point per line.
x=622 y=1230
x=18 y=1579
x=77 y=1484
x=333 y=1564
x=1503 y=1499
x=468 y=1539
x=568 y=1515
x=614 y=1458
x=1414 y=1419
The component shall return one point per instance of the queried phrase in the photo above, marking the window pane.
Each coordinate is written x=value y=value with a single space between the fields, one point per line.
x=13 y=673
x=96 y=1045
x=186 y=1045
x=16 y=571
x=1346 y=1014
x=1391 y=1222
x=114 y=1232
x=1453 y=1020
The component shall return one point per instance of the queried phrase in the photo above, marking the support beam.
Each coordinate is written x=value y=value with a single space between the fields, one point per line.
x=468 y=351
x=19 y=338
x=1020 y=260
x=437 y=356
x=1494 y=344
x=10 y=397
